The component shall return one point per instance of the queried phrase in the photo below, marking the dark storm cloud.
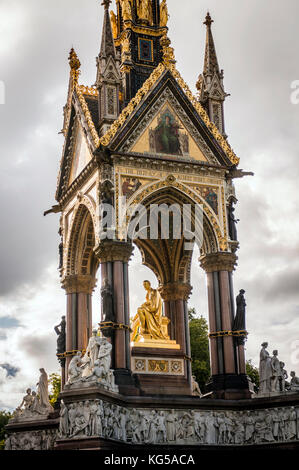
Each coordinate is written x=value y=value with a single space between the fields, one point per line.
x=11 y=371
x=37 y=346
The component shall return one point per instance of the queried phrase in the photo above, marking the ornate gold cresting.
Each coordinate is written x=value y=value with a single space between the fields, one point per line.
x=75 y=64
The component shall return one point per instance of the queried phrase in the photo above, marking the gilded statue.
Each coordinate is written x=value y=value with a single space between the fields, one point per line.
x=126 y=8
x=145 y=11
x=113 y=24
x=150 y=313
x=163 y=14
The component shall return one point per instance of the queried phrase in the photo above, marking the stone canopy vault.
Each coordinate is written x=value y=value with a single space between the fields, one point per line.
x=140 y=137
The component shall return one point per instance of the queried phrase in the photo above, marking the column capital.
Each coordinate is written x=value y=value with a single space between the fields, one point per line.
x=112 y=250
x=175 y=291
x=218 y=262
x=77 y=283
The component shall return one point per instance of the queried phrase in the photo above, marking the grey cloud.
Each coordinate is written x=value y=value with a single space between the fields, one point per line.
x=37 y=346
x=9 y=322
x=11 y=371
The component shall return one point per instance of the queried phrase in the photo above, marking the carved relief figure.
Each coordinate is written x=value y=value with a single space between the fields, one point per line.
x=150 y=313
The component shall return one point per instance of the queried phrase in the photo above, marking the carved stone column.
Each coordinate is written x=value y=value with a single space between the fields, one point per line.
x=228 y=378
x=114 y=257
x=79 y=290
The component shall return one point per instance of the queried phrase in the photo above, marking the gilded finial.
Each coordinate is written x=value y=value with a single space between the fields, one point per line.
x=106 y=4
x=75 y=64
x=209 y=20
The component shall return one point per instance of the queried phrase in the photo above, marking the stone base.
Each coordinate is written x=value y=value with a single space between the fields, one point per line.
x=275 y=394
x=127 y=382
x=230 y=387
x=163 y=423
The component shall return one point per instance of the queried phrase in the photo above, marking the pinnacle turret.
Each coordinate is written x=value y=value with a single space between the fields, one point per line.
x=108 y=75
x=210 y=82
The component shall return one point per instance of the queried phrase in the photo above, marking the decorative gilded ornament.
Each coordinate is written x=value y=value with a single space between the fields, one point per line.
x=113 y=20
x=163 y=14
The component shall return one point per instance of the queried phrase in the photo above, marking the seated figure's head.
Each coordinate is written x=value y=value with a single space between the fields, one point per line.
x=146 y=285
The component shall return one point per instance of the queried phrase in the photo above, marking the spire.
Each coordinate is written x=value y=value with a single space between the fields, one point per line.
x=211 y=61
x=108 y=75
x=107 y=45
x=210 y=82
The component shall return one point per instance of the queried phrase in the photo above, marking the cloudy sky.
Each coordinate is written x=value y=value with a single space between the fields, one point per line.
x=257 y=43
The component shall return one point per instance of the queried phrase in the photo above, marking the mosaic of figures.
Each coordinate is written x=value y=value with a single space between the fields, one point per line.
x=164 y=133
x=167 y=137
x=131 y=184
x=144 y=426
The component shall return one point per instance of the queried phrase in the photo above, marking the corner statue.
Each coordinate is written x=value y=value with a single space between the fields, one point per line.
x=150 y=313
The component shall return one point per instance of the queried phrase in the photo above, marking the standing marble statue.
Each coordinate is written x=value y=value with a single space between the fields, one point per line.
x=276 y=372
x=265 y=370
x=42 y=389
x=294 y=385
x=91 y=355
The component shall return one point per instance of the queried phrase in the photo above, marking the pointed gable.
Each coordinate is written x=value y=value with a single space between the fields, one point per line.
x=135 y=127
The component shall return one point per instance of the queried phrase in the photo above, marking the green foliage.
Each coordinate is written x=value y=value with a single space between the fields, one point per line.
x=253 y=373
x=55 y=383
x=199 y=340
x=4 y=418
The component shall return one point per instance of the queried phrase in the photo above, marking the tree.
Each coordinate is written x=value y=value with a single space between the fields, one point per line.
x=253 y=373
x=200 y=355
x=4 y=418
x=55 y=383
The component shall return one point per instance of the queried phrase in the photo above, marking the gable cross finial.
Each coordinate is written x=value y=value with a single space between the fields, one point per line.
x=209 y=20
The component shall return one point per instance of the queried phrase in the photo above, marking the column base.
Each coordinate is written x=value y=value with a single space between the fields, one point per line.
x=127 y=382
x=230 y=387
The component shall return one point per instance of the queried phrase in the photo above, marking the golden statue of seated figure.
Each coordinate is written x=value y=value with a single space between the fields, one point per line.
x=150 y=314
x=149 y=326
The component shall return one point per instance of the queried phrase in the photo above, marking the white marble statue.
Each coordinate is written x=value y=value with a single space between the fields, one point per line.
x=265 y=370
x=294 y=384
x=74 y=369
x=91 y=355
x=42 y=390
x=276 y=372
